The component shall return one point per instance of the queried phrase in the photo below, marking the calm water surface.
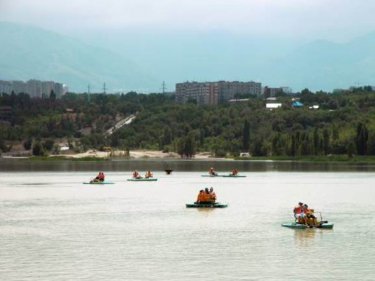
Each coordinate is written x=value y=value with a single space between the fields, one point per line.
x=53 y=227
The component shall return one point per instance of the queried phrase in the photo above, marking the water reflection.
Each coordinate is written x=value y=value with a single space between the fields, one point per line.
x=308 y=237
x=205 y=211
x=304 y=237
x=35 y=183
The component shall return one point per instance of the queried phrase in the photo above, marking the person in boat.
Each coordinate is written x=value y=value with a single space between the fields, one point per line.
x=212 y=194
x=205 y=197
x=136 y=175
x=99 y=178
x=212 y=172
x=209 y=195
x=310 y=219
x=200 y=197
x=299 y=213
x=234 y=172
x=148 y=174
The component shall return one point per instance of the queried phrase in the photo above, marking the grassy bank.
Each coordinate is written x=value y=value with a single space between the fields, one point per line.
x=317 y=159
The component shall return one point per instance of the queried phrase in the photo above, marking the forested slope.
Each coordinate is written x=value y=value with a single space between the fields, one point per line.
x=343 y=124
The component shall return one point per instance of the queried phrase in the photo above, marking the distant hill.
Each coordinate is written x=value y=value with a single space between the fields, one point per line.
x=182 y=56
x=33 y=53
x=327 y=65
x=200 y=56
x=28 y=52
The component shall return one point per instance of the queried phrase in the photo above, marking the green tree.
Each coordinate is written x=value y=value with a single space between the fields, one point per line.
x=316 y=141
x=52 y=95
x=259 y=147
x=27 y=144
x=293 y=145
x=351 y=149
x=38 y=149
x=361 y=139
x=166 y=138
x=326 y=141
x=190 y=145
x=180 y=147
x=246 y=136
x=3 y=147
x=48 y=144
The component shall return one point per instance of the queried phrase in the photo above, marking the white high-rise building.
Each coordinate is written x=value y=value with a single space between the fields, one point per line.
x=34 y=88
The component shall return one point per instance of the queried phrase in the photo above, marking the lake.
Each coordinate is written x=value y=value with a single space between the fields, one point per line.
x=53 y=227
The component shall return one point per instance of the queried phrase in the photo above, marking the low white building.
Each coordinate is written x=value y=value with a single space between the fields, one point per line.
x=273 y=105
x=314 y=107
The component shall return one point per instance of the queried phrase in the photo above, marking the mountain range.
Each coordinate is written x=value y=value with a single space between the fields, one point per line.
x=32 y=53
x=142 y=60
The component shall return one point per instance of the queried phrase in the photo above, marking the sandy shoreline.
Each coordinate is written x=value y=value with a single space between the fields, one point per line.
x=133 y=154
x=92 y=153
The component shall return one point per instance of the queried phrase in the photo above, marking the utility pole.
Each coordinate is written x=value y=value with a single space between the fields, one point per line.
x=88 y=93
x=104 y=88
x=163 y=87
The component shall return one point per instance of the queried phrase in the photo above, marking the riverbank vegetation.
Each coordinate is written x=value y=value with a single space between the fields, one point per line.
x=343 y=125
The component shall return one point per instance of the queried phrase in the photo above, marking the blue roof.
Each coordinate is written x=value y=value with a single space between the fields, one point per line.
x=297 y=104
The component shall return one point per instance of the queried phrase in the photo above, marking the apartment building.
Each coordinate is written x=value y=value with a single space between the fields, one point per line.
x=201 y=93
x=34 y=88
x=230 y=90
x=272 y=92
x=212 y=93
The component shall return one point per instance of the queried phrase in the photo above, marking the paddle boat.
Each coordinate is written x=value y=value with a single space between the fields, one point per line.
x=98 y=182
x=309 y=222
x=296 y=225
x=206 y=205
x=224 y=176
x=206 y=199
x=142 y=179
x=233 y=176
x=137 y=177
x=99 y=179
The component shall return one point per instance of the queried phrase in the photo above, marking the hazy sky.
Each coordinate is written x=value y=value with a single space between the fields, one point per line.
x=308 y=19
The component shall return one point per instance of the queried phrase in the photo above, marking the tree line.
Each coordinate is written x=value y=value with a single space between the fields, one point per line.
x=343 y=124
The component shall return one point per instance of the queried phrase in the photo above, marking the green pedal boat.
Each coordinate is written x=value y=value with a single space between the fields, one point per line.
x=143 y=179
x=223 y=176
x=231 y=176
x=98 y=182
x=206 y=205
x=294 y=225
